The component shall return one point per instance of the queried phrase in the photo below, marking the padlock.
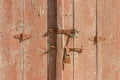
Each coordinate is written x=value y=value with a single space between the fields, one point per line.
x=67 y=59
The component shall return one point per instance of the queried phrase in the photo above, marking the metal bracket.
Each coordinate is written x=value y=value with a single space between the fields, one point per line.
x=22 y=37
x=79 y=50
x=70 y=33
x=67 y=56
x=97 y=39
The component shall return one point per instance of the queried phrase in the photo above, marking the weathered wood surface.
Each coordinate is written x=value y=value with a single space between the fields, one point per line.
x=65 y=21
x=85 y=22
x=67 y=25
x=35 y=24
x=59 y=57
x=27 y=60
x=11 y=20
x=109 y=49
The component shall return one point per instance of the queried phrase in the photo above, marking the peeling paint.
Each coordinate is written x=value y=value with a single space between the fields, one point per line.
x=41 y=11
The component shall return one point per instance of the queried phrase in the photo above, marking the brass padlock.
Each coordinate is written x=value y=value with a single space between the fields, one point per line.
x=67 y=58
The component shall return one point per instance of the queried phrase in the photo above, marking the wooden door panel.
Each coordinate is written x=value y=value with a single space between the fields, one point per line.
x=85 y=22
x=35 y=24
x=67 y=25
x=65 y=22
x=11 y=20
x=59 y=56
x=109 y=49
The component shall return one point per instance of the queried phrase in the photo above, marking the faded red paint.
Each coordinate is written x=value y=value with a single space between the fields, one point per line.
x=23 y=39
x=67 y=25
x=35 y=23
x=10 y=22
x=109 y=50
x=85 y=21
x=83 y=10
x=59 y=65
x=64 y=71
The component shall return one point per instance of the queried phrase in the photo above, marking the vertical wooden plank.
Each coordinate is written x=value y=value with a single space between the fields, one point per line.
x=85 y=22
x=109 y=49
x=67 y=25
x=11 y=19
x=52 y=39
x=59 y=56
x=35 y=23
x=65 y=22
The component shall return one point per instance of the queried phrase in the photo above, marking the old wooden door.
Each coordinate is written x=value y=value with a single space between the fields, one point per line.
x=79 y=15
x=99 y=25
x=22 y=59
x=29 y=52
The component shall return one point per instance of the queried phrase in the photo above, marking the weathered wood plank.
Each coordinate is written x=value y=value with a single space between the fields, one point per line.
x=85 y=22
x=35 y=23
x=67 y=25
x=65 y=21
x=59 y=64
x=109 y=49
x=11 y=19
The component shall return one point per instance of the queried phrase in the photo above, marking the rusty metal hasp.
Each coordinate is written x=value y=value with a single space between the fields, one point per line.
x=70 y=33
x=78 y=50
x=67 y=56
x=22 y=37
x=97 y=39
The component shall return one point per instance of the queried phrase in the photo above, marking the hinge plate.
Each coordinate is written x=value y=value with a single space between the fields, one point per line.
x=97 y=39
x=22 y=37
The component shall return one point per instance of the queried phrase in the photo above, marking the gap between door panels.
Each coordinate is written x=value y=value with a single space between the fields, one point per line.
x=52 y=38
x=97 y=41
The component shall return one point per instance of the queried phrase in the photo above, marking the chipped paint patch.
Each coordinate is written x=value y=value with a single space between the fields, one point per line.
x=41 y=11
x=3 y=62
x=33 y=2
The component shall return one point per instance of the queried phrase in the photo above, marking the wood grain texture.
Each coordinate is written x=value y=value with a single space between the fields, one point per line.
x=59 y=56
x=85 y=22
x=35 y=24
x=11 y=19
x=109 y=49
x=64 y=21
x=67 y=25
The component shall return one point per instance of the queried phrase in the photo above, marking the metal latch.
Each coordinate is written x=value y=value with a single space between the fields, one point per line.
x=70 y=33
x=78 y=50
x=67 y=55
x=22 y=37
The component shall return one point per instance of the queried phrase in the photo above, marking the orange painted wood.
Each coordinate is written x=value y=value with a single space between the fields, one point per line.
x=65 y=21
x=35 y=24
x=85 y=22
x=59 y=56
x=33 y=59
x=67 y=25
x=109 y=49
x=11 y=19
